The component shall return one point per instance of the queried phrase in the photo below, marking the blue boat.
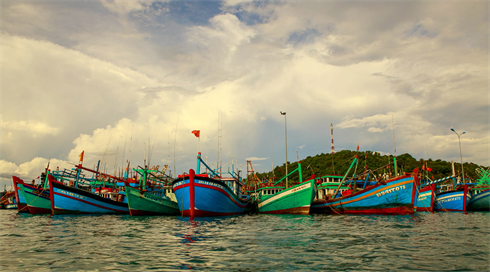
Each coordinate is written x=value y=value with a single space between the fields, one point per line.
x=426 y=194
x=424 y=202
x=453 y=200
x=211 y=194
x=393 y=196
x=79 y=197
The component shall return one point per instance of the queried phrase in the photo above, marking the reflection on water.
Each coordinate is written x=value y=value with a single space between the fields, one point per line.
x=424 y=241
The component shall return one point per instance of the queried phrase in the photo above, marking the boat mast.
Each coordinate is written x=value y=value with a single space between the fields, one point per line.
x=394 y=143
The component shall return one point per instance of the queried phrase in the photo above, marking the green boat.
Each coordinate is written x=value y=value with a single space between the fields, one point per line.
x=296 y=199
x=151 y=197
x=37 y=197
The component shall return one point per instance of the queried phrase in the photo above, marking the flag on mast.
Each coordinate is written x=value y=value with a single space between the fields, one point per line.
x=81 y=156
x=196 y=133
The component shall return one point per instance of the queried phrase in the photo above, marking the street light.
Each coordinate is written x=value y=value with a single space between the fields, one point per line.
x=460 y=154
x=286 y=136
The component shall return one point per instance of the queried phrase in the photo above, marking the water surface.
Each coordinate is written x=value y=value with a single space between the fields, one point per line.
x=424 y=241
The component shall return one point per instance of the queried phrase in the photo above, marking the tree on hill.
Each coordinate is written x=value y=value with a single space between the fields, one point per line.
x=338 y=164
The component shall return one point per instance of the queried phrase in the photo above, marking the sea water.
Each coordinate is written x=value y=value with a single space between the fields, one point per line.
x=420 y=242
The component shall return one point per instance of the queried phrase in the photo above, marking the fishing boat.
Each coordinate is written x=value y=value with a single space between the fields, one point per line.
x=150 y=196
x=295 y=199
x=453 y=200
x=8 y=201
x=19 y=197
x=392 y=196
x=37 y=196
x=480 y=199
x=426 y=194
x=72 y=193
x=424 y=202
x=209 y=194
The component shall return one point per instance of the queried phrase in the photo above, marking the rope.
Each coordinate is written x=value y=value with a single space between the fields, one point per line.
x=38 y=194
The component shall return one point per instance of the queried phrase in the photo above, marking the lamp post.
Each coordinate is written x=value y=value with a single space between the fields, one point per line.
x=286 y=136
x=460 y=154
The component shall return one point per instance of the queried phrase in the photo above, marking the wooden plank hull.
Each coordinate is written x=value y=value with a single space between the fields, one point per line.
x=395 y=197
x=294 y=200
x=452 y=201
x=207 y=197
x=38 y=200
x=19 y=198
x=425 y=199
x=71 y=200
x=146 y=203
x=480 y=202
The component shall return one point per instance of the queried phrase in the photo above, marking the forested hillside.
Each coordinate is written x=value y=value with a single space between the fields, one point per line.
x=338 y=163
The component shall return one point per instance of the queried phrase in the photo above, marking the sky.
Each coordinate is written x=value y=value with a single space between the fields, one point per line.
x=130 y=80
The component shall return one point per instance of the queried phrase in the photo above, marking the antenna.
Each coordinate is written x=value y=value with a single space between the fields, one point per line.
x=175 y=137
x=117 y=153
x=394 y=144
x=331 y=133
x=220 y=124
x=124 y=149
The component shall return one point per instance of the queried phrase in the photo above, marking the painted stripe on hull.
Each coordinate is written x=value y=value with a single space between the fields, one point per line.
x=391 y=210
x=480 y=202
x=146 y=204
x=295 y=200
x=425 y=199
x=295 y=210
x=451 y=202
x=11 y=206
x=36 y=199
x=74 y=201
x=396 y=197
x=210 y=199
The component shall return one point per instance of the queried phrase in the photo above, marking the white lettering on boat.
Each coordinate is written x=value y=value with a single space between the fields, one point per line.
x=391 y=190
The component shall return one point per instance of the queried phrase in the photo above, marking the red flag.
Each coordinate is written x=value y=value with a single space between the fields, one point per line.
x=423 y=167
x=196 y=132
x=429 y=169
x=81 y=155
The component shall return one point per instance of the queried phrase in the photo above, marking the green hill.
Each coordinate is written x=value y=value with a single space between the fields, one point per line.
x=338 y=163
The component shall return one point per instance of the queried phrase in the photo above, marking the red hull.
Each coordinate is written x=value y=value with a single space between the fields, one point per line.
x=22 y=208
x=198 y=213
x=138 y=212
x=297 y=210
x=397 y=210
x=35 y=210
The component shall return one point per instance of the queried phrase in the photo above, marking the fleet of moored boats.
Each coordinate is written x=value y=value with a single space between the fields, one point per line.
x=207 y=192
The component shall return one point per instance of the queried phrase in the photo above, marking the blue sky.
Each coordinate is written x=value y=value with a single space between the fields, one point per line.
x=115 y=78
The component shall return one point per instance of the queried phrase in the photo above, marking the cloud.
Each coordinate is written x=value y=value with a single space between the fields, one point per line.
x=123 y=6
x=34 y=128
x=127 y=80
x=255 y=159
x=29 y=170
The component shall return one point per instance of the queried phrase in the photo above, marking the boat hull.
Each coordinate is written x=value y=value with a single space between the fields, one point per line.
x=38 y=200
x=202 y=196
x=71 y=200
x=146 y=203
x=480 y=202
x=294 y=200
x=452 y=201
x=395 y=197
x=10 y=206
x=21 y=201
x=425 y=199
